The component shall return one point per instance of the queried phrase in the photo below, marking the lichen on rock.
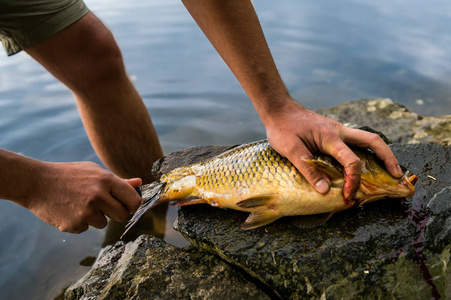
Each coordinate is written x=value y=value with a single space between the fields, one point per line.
x=393 y=119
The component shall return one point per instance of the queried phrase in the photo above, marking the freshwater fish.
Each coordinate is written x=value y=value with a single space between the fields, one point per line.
x=254 y=178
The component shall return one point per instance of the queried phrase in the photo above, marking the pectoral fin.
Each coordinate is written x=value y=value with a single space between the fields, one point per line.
x=260 y=200
x=311 y=220
x=258 y=219
x=336 y=177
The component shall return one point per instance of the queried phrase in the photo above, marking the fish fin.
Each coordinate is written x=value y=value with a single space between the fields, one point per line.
x=336 y=177
x=259 y=200
x=190 y=201
x=151 y=197
x=311 y=220
x=258 y=219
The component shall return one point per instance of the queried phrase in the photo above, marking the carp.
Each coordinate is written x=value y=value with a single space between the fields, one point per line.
x=254 y=178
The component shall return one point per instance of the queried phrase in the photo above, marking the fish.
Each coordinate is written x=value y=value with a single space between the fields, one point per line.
x=254 y=178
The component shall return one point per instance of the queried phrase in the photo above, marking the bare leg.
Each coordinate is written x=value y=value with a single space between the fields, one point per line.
x=86 y=58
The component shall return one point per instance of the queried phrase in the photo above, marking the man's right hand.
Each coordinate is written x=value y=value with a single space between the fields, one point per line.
x=72 y=196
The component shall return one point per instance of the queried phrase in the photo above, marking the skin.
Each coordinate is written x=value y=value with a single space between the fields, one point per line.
x=295 y=132
x=71 y=196
x=85 y=57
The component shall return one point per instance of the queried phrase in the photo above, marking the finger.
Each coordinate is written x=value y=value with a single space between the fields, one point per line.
x=73 y=228
x=114 y=209
x=135 y=182
x=126 y=194
x=98 y=220
x=317 y=178
x=92 y=216
x=350 y=162
x=374 y=142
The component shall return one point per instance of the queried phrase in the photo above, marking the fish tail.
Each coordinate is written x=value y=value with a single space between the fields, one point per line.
x=151 y=197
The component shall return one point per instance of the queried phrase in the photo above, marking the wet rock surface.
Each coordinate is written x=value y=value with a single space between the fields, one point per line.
x=386 y=249
x=148 y=268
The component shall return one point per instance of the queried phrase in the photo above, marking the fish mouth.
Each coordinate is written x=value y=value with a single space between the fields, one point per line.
x=404 y=189
x=409 y=179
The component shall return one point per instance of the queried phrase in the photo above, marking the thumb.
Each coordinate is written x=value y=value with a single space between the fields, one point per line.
x=135 y=182
x=317 y=178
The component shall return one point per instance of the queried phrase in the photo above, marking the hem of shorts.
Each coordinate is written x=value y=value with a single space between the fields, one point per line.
x=50 y=26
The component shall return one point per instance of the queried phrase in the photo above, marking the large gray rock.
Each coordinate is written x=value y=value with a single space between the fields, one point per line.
x=386 y=249
x=394 y=120
x=148 y=268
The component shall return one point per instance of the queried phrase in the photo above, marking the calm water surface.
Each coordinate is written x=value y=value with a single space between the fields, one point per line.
x=327 y=52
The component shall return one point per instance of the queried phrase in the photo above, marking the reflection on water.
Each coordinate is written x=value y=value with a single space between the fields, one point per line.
x=327 y=52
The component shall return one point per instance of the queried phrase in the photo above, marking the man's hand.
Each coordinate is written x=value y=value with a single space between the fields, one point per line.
x=295 y=132
x=72 y=196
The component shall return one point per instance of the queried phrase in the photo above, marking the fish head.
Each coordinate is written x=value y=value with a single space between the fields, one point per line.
x=376 y=183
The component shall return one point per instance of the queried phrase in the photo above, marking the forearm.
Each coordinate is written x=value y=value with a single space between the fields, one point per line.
x=19 y=177
x=233 y=29
x=70 y=196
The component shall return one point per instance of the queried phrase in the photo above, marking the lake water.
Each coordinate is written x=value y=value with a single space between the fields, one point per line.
x=327 y=52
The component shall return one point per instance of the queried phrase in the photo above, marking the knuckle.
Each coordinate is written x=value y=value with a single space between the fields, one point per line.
x=374 y=139
x=91 y=202
x=105 y=178
x=353 y=166
x=311 y=173
x=73 y=228
x=95 y=195
x=84 y=214
x=87 y=213
x=287 y=149
x=63 y=228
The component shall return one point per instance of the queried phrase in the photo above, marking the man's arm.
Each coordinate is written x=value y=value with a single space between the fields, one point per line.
x=86 y=58
x=233 y=28
x=69 y=196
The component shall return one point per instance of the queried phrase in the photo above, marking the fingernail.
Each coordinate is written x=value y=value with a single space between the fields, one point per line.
x=398 y=168
x=322 y=186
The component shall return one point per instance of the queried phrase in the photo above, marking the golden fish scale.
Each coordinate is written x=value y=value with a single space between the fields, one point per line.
x=255 y=169
x=251 y=170
x=255 y=178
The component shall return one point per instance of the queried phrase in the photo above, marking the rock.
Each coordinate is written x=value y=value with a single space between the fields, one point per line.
x=148 y=268
x=386 y=249
x=393 y=119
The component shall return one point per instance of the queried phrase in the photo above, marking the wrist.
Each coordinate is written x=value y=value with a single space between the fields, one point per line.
x=272 y=109
x=24 y=179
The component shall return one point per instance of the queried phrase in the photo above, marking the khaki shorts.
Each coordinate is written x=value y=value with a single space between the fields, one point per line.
x=24 y=23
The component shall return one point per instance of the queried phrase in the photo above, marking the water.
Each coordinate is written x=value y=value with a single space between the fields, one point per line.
x=327 y=52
